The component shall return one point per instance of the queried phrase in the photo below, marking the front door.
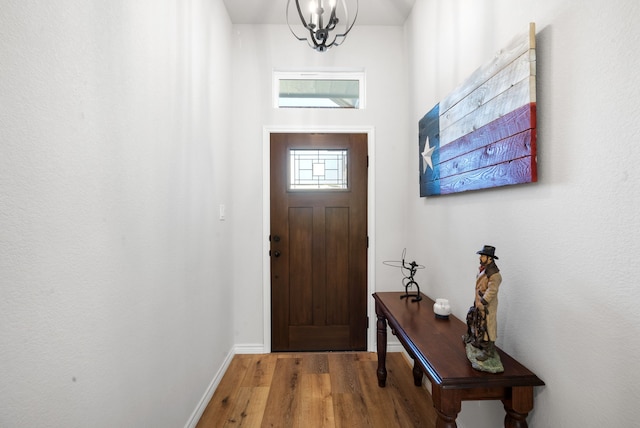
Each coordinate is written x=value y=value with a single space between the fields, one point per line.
x=318 y=242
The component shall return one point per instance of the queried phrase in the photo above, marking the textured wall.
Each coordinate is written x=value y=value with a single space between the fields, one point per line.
x=113 y=146
x=120 y=135
x=568 y=244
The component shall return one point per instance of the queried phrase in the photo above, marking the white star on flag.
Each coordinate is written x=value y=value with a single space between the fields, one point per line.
x=426 y=156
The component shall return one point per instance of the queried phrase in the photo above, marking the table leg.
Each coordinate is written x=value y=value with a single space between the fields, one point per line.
x=417 y=373
x=448 y=404
x=382 y=350
x=518 y=407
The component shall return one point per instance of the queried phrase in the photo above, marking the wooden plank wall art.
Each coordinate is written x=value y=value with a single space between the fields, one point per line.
x=483 y=134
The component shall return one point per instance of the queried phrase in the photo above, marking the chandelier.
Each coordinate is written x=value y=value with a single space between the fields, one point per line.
x=327 y=24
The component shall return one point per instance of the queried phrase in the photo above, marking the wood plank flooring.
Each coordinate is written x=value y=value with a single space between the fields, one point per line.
x=313 y=390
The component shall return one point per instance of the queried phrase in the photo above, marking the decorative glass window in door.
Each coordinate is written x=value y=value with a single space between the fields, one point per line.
x=318 y=169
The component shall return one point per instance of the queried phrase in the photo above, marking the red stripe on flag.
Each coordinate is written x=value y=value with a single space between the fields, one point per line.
x=514 y=147
x=517 y=121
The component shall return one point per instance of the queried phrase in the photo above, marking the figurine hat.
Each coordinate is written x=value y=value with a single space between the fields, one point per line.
x=488 y=250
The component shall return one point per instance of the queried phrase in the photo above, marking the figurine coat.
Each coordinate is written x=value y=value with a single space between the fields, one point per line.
x=487 y=283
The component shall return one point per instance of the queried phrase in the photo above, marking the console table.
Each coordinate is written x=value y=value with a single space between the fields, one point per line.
x=437 y=350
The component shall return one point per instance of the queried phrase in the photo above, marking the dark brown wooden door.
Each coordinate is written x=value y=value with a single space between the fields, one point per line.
x=318 y=242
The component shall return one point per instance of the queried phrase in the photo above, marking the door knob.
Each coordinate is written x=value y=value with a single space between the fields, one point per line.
x=276 y=238
x=276 y=253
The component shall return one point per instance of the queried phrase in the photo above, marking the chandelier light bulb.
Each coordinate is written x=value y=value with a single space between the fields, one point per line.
x=324 y=28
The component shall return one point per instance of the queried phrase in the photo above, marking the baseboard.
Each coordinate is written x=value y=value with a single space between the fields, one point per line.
x=250 y=349
x=197 y=413
x=395 y=347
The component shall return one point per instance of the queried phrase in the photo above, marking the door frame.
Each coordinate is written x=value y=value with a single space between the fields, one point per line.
x=266 y=222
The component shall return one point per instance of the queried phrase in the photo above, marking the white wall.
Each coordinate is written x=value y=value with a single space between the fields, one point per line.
x=568 y=244
x=122 y=294
x=113 y=159
x=258 y=50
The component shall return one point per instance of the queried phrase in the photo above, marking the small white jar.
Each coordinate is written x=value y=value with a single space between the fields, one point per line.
x=442 y=308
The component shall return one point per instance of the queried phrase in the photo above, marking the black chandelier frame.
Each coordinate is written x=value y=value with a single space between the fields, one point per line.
x=320 y=35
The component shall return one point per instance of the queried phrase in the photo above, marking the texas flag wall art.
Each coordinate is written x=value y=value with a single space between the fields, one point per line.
x=483 y=134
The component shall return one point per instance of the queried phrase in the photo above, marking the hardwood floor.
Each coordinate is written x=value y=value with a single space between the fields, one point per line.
x=317 y=390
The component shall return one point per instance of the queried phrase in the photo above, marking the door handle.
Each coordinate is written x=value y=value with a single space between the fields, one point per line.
x=276 y=253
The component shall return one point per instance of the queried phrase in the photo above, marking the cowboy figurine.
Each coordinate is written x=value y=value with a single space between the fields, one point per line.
x=482 y=327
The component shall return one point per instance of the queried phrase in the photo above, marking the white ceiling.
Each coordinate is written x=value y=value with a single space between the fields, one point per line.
x=371 y=12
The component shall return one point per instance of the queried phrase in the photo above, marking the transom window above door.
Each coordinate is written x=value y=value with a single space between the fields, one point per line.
x=319 y=90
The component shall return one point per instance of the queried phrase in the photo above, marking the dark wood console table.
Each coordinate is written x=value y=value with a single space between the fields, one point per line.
x=438 y=351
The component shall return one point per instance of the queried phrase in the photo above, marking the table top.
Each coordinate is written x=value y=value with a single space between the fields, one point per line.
x=438 y=347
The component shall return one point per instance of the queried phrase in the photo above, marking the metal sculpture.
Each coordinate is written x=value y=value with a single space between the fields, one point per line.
x=409 y=270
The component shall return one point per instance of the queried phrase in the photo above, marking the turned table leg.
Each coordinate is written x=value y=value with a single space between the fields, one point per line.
x=382 y=350
x=518 y=407
x=448 y=404
x=417 y=373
